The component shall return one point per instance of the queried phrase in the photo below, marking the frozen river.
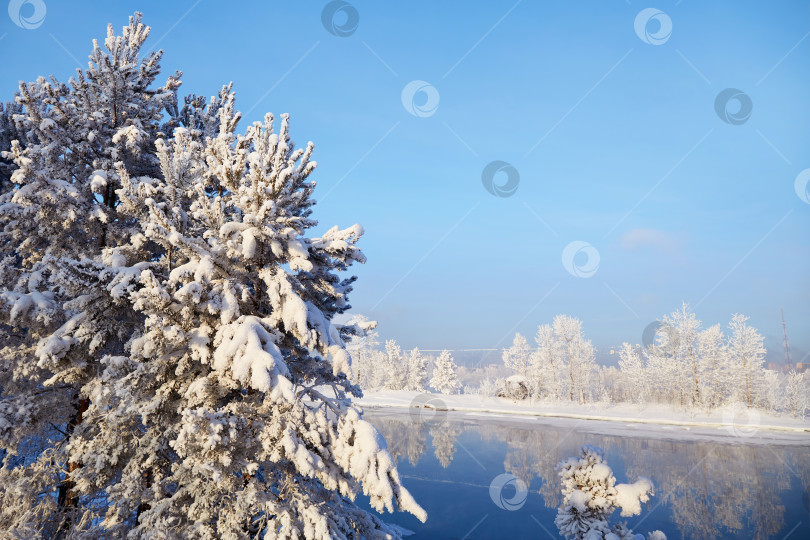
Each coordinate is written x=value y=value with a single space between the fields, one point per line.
x=464 y=469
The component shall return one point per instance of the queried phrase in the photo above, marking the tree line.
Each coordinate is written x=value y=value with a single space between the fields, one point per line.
x=684 y=364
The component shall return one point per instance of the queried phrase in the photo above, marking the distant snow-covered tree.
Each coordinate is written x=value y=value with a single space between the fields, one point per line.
x=591 y=495
x=362 y=348
x=796 y=394
x=747 y=354
x=517 y=357
x=713 y=359
x=417 y=371
x=578 y=354
x=634 y=373
x=445 y=379
x=546 y=364
x=681 y=330
x=396 y=366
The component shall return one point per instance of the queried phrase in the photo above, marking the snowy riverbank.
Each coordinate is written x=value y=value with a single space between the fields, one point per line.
x=736 y=424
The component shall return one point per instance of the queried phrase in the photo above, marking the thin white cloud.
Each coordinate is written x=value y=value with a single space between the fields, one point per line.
x=643 y=238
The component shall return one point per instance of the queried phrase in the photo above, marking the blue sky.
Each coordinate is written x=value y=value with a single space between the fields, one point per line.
x=616 y=141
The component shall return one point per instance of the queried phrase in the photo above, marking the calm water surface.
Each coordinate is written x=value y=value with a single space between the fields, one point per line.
x=705 y=488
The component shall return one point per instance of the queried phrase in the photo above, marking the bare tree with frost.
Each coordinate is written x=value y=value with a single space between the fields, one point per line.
x=633 y=373
x=796 y=394
x=518 y=356
x=546 y=364
x=577 y=353
x=363 y=351
x=747 y=354
x=417 y=370
x=713 y=358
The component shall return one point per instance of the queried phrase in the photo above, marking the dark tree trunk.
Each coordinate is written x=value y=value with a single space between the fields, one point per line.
x=67 y=499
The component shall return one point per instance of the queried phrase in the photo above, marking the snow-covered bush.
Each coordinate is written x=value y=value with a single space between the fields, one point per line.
x=515 y=387
x=487 y=388
x=591 y=495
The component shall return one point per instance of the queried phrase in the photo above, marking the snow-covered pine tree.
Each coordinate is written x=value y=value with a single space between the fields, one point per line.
x=238 y=342
x=417 y=371
x=591 y=495
x=58 y=241
x=191 y=331
x=517 y=357
x=445 y=379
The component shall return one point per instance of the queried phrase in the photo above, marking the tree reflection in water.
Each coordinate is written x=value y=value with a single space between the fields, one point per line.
x=711 y=488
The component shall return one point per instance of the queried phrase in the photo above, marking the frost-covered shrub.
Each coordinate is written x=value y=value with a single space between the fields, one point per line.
x=515 y=387
x=591 y=495
x=488 y=387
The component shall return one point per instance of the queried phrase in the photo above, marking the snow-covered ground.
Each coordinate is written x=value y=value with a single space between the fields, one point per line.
x=733 y=424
